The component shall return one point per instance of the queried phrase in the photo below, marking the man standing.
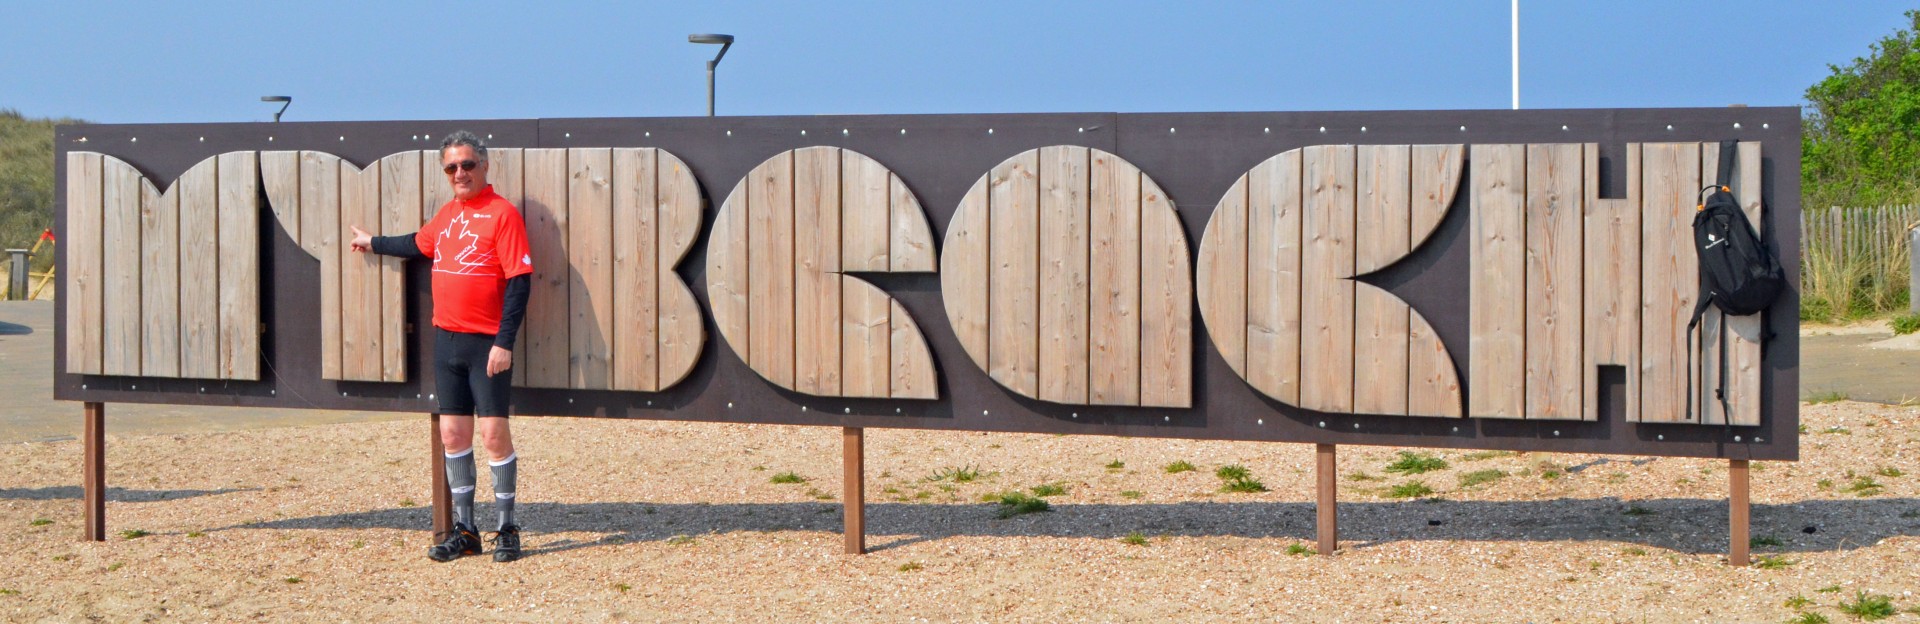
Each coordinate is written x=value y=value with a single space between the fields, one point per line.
x=482 y=274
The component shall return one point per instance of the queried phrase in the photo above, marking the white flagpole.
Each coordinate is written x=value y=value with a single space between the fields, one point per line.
x=1516 y=54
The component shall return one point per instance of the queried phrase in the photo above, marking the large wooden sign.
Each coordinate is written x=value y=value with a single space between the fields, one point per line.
x=1492 y=279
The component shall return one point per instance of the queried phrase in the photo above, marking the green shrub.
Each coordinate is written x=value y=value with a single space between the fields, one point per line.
x=1410 y=463
x=1905 y=324
x=788 y=477
x=1478 y=477
x=1179 y=467
x=1868 y=606
x=1410 y=489
x=1232 y=471
x=1019 y=503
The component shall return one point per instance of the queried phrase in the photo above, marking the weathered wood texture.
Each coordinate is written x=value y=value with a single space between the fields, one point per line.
x=166 y=284
x=1554 y=258
x=1496 y=353
x=779 y=264
x=1067 y=279
x=1277 y=287
x=1669 y=278
x=1738 y=375
x=1611 y=329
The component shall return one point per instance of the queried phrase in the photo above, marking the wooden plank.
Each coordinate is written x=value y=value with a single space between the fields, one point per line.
x=544 y=334
x=359 y=276
x=910 y=249
x=853 y=490
x=507 y=172
x=1166 y=302
x=85 y=229
x=436 y=190
x=864 y=214
x=159 y=281
x=1327 y=297
x=770 y=269
x=590 y=268
x=681 y=331
x=1436 y=182
x=636 y=309
x=399 y=214
x=1554 y=259
x=1013 y=325
x=1221 y=277
x=727 y=287
x=1669 y=277
x=816 y=270
x=319 y=231
x=866 y=340
x=1744 y=333
x=1433 y=383
x=1382 y=236
x=121 y=309
x=1063 y=274
x=239 y=265
x=1272 y=288
x=198 y=191
x=1496 y=356
x=1611 y=283
x=93 y=467
x=964 y=272
x=914 y=375
x=1706 y=354
x=280 y=172
x=1114 y=320
x=1433 y=386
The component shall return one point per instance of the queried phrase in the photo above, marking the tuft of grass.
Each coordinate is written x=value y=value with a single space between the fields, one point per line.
x=1890 y=472
x=1244 y=485
x=408 y=502
x=1905 y=324
x=1773 y=562
x=1636 y=510
x=1864 y=486
x=1410 y=489
x=1179 y=467
x=1116 y=465
x=911 y=566
x=956 y=474
x=1634 y=551
x=1297 y=549
x=1833 y=396
x=1830 y=589
x=116 y=565
x=819 y=495
x=1485 y=455
x=1049 y=489
x=1133 y=494
x=681 y=540
x=292 y=580
x=1230 y=472
x=1869 y=607
x=787 y=477
x=1764 y=540
x=1824 y=484
x=1019 y=503
x=133 y=534
x=622 y=587
x=9 y=592
x=1809 y=618
x=203 y=534
x=1362 y=476
x=1478 y=477
x=41 y=522
x=1411 y=463
x=356 y=544
x=1134 y=539
x=1797 y=602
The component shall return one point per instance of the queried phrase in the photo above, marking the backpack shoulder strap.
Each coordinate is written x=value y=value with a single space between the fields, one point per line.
x=1729 y=150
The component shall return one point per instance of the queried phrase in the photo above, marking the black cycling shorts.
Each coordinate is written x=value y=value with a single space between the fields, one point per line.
x=460 y=374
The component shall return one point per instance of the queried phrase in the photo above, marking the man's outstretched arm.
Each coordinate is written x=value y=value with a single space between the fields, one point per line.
x=404 y=245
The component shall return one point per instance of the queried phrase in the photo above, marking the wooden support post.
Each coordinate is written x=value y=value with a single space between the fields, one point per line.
x=1738 y=513
x=1326 y=488
x=442 y=499
x=853 y=460
x=93 y=473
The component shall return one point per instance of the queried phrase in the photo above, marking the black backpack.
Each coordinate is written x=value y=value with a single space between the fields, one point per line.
x=1737 y=272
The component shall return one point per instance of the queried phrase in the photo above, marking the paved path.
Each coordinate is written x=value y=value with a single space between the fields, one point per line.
x=28 y=412
x=1829 y=364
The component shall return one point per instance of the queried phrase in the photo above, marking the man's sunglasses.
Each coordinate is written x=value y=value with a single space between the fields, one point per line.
x=464 y=165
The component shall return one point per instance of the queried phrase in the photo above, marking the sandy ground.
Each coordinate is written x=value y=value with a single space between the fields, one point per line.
x=641 y=521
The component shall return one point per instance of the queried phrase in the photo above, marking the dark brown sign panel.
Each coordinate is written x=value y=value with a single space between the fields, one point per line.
x=1459 y=279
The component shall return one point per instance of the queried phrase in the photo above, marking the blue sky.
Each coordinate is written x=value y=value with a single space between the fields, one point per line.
x=210 y=61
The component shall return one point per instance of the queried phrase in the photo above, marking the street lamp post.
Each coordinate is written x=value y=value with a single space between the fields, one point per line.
x=725 y=41
x=284 y=100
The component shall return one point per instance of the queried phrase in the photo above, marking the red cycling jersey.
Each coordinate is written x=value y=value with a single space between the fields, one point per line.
x=476 y=245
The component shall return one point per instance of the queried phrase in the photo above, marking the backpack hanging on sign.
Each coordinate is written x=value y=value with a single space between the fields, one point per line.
x=1738 y=274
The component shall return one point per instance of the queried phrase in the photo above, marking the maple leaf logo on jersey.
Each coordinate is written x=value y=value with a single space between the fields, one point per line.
x=469 y=260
